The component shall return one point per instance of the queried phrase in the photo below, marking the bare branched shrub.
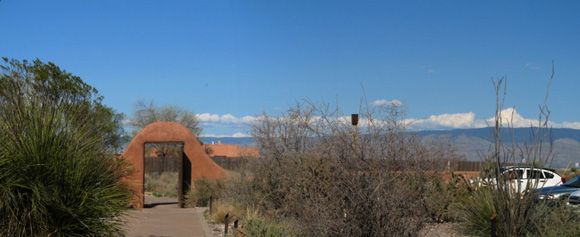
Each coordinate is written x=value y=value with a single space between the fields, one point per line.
x=518 y=212
x=332 y=178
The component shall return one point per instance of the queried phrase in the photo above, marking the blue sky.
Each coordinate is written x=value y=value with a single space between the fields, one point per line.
x=230 y=60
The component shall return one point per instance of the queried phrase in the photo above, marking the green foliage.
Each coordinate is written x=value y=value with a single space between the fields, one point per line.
x=55 y=176
x=477 y=211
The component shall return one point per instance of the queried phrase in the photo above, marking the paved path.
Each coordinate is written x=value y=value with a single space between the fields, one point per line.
x=167 y=220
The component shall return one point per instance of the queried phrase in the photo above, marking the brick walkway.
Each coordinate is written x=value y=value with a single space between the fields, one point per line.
x=167 y=220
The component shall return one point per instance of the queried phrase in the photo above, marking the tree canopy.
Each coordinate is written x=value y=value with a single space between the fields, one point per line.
x=147 y=113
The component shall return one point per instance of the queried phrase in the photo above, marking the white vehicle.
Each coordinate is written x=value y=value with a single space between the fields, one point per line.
x=523 y=176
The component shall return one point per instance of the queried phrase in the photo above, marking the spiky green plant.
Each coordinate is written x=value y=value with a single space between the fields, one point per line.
x=55 y=179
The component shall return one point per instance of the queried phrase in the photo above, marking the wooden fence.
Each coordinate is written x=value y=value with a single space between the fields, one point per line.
x=473 y=165
x=230 y=163
x=161 y=164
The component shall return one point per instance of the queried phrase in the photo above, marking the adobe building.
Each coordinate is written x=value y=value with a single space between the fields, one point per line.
x=230 y=157
x=194 y=164
x=230 y=151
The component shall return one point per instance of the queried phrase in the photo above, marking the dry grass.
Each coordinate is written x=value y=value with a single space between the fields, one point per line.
x=166 y=184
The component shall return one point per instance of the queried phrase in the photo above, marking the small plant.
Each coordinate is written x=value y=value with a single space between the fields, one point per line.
x=477 y=211
x=256 y=226
x=221 y=209
x=440 y=196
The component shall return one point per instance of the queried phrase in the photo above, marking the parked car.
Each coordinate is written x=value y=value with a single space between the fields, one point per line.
x=574 y=198
x=523 y=176
x=526 y=175
x=559 y=191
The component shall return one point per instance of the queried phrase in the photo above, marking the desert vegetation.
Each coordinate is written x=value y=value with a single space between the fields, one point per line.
x=55 y=177
x=518 y=212
x=162 y=184
x=320 y=175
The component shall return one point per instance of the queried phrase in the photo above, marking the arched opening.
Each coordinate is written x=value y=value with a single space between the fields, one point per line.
x=194 y=162
x=163 y=174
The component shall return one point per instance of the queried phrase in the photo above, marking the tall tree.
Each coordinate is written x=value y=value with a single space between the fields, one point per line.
x=147 y=113
x=55 y=177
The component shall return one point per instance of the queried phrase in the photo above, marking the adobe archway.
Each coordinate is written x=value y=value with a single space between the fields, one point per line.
x=164 y=132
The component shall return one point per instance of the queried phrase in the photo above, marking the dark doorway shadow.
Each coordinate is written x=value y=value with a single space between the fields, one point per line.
x=186 y=178
x=152 y=205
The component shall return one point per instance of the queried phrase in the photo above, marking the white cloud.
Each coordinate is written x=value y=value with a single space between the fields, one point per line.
x=239 y=134
x=574 y=125
x=127 y=121
x=529 y=66
x=443 y=121
x=208 y=117
x=386 y=103
x=511 y=117
x=226 y=119
x=433 y=122
x=467 y=120
x=430 y=70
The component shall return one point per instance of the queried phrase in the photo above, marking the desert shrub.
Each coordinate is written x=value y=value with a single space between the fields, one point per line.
x=165 y=184
x=544 y=218
x=203 y=188
x=518 y=212
x=561 y=220
x=477 y=211
x=440 y=197
x=56 y=180
x=221 y=209
x=330 y=178
x=256 y=226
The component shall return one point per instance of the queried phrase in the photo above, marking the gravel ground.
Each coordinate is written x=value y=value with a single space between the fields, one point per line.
x=430 y=230
x=440 y=230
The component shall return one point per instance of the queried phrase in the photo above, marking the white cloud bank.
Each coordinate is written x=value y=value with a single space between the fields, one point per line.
x=387 y=103
x=467 y=120
x=226 y=119
x=239 y=134
x=433 y=122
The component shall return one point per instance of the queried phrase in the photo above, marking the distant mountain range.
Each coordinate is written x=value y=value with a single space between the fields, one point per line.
x=473 y=142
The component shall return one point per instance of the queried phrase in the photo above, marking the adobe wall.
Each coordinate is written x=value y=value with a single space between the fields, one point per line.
x=201 y=164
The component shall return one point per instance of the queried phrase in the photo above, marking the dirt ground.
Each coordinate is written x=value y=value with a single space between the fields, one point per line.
x=440 y=230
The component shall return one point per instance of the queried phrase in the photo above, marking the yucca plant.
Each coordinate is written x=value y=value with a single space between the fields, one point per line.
x=55 y=179
x=517 y=211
